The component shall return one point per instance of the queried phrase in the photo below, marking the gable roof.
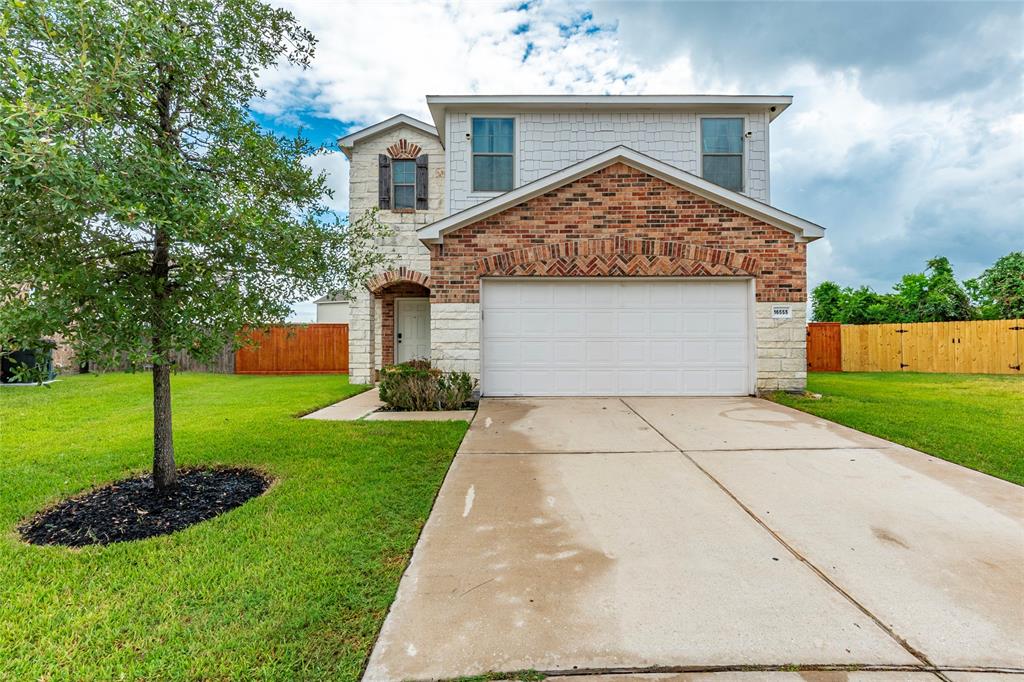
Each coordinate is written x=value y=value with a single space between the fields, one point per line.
x=802 y=230
x=440 y=104
x=346 y=143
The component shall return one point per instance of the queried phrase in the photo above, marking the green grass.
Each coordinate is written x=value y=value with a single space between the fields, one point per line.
x=973 y=420
x=291 y=585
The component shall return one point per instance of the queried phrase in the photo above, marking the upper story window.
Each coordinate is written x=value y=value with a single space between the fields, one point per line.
x=721 y=144
x=493 y=155
x=403 y=176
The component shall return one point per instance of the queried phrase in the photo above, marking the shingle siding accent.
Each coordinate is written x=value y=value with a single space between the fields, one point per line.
x=619 y=221
x=550 y=141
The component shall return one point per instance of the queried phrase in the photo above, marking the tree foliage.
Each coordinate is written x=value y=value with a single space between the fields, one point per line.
x=934 y=295
x=999 y=290
x=142 y=210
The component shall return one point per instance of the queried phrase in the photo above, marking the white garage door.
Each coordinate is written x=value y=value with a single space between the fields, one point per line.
x=615 y=337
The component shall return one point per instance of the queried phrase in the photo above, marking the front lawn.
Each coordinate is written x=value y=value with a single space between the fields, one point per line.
x=973 y=420
x=291 y=585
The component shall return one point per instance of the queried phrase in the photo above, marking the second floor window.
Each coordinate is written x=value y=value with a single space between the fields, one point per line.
x=493 y=155
x=403 y=175
x=721 y=147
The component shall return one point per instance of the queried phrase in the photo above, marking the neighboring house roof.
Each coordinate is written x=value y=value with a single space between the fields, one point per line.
x=802 y=229
x=340 y=298
x=346 y=143
x=439 y=104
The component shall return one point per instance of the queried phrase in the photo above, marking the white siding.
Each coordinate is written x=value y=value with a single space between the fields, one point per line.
x=332 y=312
x=550 y=141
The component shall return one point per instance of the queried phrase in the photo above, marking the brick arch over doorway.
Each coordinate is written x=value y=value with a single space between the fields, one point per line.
x=402 y=275
x=387 y=295
x=618 y=257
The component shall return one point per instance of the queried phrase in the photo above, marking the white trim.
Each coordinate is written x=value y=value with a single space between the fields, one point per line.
x=752 y=338
x=803 y=230
x=744 y=152
x=439 y=104
x=346 y=143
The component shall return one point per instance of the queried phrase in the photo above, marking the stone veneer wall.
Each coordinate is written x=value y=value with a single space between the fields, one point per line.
x=366 y=335
x=455 y=337
x=781 y=349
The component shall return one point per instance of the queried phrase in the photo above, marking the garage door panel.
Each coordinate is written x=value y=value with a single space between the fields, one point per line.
x=615 y=337
x=665 y=295
x=730 y=381
x=665 y=322
x=634 y=352
x=503 y=322
x=698 y=323
x=599 y=323
x=600 y=353
x=503 y=353
x=665 y=352
x=731 y=322
x=600 y=296
x=729 y=353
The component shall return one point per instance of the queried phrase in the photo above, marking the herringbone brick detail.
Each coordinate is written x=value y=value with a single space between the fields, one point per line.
x=617 y=257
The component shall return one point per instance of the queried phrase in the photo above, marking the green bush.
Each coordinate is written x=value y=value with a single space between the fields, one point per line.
x=416 y=386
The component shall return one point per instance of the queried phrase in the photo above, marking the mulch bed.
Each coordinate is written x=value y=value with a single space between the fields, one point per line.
x=132 y=510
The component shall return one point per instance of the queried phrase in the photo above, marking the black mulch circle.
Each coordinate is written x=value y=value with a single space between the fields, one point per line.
x=132 y=510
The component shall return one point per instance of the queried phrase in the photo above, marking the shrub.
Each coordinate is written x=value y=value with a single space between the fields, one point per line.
x=454 y=389
x=416 y=386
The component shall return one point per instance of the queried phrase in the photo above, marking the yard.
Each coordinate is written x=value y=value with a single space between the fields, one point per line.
x=973 y=420
x=293 y=584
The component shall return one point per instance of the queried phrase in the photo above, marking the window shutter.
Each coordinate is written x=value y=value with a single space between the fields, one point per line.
x=421 y=182
x=383 y=181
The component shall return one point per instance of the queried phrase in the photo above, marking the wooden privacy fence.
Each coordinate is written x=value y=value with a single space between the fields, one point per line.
x=296 y=349
x=974 y=347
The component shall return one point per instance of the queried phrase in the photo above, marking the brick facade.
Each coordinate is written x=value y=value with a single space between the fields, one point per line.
x=619 y=221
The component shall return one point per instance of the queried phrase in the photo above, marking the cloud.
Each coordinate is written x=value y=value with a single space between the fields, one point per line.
x=905 y=138
x=335 y=166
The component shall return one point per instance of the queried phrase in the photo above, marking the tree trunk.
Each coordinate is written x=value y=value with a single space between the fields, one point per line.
x=165 y=474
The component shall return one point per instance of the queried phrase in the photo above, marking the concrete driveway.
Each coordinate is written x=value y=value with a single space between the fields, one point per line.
x=699 y=534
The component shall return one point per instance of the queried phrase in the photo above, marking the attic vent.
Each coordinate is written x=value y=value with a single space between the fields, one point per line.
x=403 y=149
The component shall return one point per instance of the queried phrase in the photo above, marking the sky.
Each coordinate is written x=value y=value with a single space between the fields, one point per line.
x=905 y=138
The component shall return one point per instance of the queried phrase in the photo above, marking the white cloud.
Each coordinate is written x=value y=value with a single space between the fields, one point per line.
x=335 y=165
x=897 y=173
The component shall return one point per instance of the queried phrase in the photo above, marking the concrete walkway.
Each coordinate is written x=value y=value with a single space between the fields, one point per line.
x=652 y=534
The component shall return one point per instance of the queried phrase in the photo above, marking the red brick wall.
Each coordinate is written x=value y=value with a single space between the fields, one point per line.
x=387 y=314
x=619 y=222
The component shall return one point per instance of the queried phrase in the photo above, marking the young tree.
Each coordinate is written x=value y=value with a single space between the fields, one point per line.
x=999 y=291
x=142 y=211
x=828 y=300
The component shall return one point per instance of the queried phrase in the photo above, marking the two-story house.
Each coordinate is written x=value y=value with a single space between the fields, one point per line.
x=583 y=245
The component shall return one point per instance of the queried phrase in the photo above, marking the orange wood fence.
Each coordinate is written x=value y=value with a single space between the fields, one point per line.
x=974 y=347
x=824 y=347
x=296 y=349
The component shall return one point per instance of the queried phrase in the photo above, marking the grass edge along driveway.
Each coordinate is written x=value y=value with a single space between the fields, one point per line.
x=291 y=585
x=972 y=420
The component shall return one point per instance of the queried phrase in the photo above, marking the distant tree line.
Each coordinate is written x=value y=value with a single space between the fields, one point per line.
x=934 y=295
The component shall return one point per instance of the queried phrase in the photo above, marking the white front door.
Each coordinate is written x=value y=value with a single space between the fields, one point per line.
x=616 y=337
x=412 y=329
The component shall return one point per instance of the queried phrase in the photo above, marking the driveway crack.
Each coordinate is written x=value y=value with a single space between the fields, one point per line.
x=919 y=655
